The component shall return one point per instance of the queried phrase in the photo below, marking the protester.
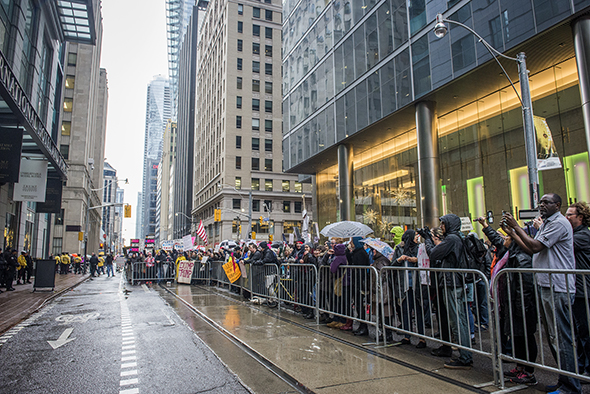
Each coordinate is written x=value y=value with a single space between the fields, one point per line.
x=553 y=248
x=357 y=256
x=578 y=215
x=109 y=265
x=93 y=265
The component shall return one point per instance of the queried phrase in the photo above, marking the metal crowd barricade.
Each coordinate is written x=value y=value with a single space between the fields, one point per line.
x=353 y=292
x=201 y=272
x=146 y=272
x=555 y=318
x=218 y=274
x=295 y=284
x=261 y=279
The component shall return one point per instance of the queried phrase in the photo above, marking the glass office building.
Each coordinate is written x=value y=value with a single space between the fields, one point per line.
x=400 y=127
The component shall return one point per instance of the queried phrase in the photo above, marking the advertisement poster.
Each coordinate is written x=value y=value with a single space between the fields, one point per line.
x=11 y=142
x=547 y=157
x=32 y=181
x=53 y=193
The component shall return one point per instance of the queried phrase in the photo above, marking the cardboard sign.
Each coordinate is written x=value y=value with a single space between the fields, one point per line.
x=185 y=271
x=466 y=224
x=232 y=270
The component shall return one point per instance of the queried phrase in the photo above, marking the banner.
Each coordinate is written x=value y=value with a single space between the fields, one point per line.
x=11 y=142
x=187 y=242
x=32 y=181
x=547 y=157
x=167 y=245
x=232 y=270
x=53 y=192
x=185 y=271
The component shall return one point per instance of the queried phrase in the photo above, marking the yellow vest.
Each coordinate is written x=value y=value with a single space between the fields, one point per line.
x=65 y=259
x=21 y=261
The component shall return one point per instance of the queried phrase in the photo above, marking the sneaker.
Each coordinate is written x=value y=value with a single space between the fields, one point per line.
x=443 y=351
x=457 y=364
x=552 y=388
x=512 y=373
x=525 y=378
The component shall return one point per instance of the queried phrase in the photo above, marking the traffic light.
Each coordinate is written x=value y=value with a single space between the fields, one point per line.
x=217 y=215
x=253 y=234
x=101 y=245
x=270 y=237
x=261 y=220
x=127 y=210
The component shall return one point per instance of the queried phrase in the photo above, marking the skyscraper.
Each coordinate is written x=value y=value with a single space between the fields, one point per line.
x=158 y=111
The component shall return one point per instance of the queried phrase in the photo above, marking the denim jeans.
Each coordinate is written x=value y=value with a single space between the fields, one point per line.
x=481 y=300
x=110 y=270
x=455 y=302
x=558 y=328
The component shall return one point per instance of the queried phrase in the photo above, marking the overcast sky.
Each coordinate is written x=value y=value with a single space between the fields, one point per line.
x=133 y=51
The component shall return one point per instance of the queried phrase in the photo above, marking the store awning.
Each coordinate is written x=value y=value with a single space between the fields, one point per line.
x=77 y=20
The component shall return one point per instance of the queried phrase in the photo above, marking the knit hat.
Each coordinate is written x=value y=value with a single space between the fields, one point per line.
x=397 y=232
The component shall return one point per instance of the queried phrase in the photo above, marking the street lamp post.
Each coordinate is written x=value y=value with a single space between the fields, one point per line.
x=440 y=30
x=191 y=220
x=221 y=185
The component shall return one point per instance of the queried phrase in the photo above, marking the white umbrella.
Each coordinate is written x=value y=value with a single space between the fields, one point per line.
x=346 y=229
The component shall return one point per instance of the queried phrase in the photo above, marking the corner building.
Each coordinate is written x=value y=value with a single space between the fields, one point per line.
x=238 y=126
x=400 y=127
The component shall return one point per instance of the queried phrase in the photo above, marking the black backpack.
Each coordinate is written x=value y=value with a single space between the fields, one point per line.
x=475 y=251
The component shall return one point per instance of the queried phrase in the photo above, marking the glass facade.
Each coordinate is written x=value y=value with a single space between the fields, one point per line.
x=481 y=158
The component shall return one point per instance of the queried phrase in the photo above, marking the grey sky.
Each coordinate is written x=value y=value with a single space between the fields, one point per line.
x=133 y=51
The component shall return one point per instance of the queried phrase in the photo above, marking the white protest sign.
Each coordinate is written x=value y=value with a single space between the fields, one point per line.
x=187 y=242
x=185 y=271
x=466 y=224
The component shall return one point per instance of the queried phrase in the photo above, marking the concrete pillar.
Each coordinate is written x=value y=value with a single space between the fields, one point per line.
x=428 y=170
x=345 y=182
x=581 y=31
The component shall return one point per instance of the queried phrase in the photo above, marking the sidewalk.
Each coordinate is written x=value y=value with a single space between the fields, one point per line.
x=19 y=304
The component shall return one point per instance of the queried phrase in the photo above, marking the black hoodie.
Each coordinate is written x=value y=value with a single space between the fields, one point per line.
x=449 y=253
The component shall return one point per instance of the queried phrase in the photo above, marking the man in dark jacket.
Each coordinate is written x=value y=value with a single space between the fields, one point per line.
x=450 y=254
x=578 y=215
x=93 y=264
x=356 y=255
x=12 y=264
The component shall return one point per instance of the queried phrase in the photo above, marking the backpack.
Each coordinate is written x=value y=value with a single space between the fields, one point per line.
x=474 y=254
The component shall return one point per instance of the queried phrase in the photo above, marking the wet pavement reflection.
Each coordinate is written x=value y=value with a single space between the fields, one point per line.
x=323 y=363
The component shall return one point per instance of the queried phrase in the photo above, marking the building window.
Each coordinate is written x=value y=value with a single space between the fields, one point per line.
x=57 y=246
x=298 y=187
x=298 y=207
x=256 y=30
x=240 y=9
x=238 y=122
x=268 y=15
x=267 y=145
x=268 y=68
x=66 y=127
x=287 y=206
x=268 y=87
x=238 y=162
x=65 y=151
x=240 y=26
x=70 y=81
x=255 y=105
x=255 y=184
x=255 y=124
x=256 y=67
x=68 y=104
x=255 y=12
x=72 y=59
x=268 y=185
x=268 y=50
x=268 y=1
x=255 y=85
x=238 y=182
x=256 y=205
x=236 y=203
x=268 y=125
x=240 y=45
x=255 y=48
x=268 y=106
x=267 y=206
x=239 y=63
x=238 y=142
x=286 y=186
x=239 y=83
x=267 y=164
x=268 y=32
x=255 y=164
x=239 y=102
x=255 y=143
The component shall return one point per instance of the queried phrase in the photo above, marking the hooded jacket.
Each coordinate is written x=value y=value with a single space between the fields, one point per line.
x=449 y=253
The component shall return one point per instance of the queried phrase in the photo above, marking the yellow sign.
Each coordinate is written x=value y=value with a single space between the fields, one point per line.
x=127 y=210
x=270 y=237
x=217 y=215
x=80 y=236
x=232 y=270
x=253 y=234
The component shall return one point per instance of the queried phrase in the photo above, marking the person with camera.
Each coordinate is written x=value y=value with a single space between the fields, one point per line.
x=450 y=253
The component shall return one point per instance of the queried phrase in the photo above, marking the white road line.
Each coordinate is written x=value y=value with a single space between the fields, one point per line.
x=126 y=352
x=127 y=347
x=129 y=373
x=127 y=382
x=129 y=365
x=129 y=391
x=129 y=358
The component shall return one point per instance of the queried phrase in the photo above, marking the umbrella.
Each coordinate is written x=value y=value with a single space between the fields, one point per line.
x=380 y=247
x=346 y=229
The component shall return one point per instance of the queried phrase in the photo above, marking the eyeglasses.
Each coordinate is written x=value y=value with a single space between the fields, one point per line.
x=545 y=202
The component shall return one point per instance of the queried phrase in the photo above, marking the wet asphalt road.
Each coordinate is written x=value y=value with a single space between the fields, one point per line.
x=104 y=338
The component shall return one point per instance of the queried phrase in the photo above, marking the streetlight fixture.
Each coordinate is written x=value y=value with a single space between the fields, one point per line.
x=221 y=185
x=440 y=30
